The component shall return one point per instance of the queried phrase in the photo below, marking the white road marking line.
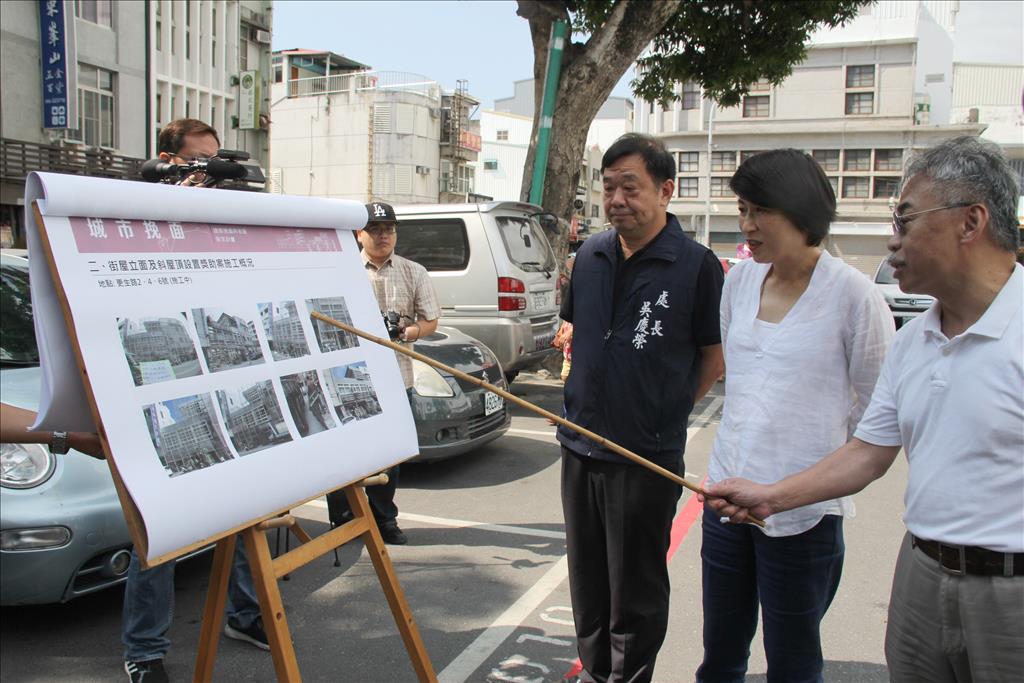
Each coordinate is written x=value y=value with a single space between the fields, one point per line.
x=550 y=433
x=474 y=656
x=712 y=408
x=465 y=524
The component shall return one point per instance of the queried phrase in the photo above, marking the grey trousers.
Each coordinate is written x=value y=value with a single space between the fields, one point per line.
x=962 y=629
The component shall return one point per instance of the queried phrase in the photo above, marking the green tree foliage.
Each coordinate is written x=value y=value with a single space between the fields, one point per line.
x=727 y=46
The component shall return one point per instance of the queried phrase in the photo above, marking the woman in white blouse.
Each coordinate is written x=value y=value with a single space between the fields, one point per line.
x=804 y=335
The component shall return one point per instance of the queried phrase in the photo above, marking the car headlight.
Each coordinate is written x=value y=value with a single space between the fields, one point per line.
x=428 y=382
x=23 y=466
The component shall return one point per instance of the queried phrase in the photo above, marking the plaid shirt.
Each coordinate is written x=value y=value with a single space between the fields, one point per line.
x=403 y=286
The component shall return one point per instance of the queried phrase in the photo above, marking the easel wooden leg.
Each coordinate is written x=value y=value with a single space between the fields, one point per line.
x=274 y=621
x=213 y=612
x=392 y=589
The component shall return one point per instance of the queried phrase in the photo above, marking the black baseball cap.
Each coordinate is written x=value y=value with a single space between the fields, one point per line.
x=379 y=212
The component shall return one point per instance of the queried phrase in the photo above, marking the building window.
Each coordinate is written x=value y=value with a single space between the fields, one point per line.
x=687 y=187
x=502 y=135
x=860 y=102
x=886 y=187
x=95 y=108
x=720 y=187
x=761 y=85
x=690 y=98
x=828 y=159
x=860 y=76
x=857 y=160
x=188 y=30
x=855 y=188
x=490 y=164
x=96 y=11
x=159 y=107
x=746 y=155
x=755 y=106
x=688 y=162
x=888 y=159
x=246 y=38
x=595 y=211
x=723 y=161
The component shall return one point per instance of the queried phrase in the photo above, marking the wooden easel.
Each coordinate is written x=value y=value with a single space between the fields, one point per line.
x=267 y=570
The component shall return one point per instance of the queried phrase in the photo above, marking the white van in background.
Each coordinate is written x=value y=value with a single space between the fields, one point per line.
x=494 y=271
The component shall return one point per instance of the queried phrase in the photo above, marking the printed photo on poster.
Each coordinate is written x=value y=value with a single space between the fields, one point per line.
x=186 y=434
x=331 y=338
x=158 y=349
x=307 y=403
x=351 y=391
x=283 y=329
x=227 y=340
x=253 y=416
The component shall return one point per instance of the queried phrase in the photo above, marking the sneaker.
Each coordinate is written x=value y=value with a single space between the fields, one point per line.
x=392 y=535
x=149 y=671
x=252 y=634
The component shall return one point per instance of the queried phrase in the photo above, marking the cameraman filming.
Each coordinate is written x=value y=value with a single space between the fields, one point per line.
x=149 y=593
x=407 y=300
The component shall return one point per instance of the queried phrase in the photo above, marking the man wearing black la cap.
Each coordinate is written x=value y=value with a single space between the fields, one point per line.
x=403 y=287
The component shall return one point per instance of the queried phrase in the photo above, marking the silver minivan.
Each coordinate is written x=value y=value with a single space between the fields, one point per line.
x=494 y=271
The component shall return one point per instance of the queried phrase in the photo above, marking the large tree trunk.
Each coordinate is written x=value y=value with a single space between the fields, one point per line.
x=589 y=73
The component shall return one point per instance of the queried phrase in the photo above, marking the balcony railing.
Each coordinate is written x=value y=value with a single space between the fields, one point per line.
x=457 y=185
x=18 y=159
x=364 y=80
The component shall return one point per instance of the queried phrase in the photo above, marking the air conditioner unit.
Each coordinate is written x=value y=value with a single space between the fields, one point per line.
x=435 y=112
x=263 y=37
x=423 y=170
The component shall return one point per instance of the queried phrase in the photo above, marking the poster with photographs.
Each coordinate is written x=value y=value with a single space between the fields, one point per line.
x=193 y=320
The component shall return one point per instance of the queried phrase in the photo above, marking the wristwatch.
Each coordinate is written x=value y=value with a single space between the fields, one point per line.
x=59 y=443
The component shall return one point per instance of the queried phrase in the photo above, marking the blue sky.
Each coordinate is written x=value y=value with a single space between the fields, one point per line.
x=488 y=44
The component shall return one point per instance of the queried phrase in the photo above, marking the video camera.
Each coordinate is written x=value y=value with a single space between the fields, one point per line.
x=225 y=166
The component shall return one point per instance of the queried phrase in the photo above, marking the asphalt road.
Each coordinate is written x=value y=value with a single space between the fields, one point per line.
x=485 y=576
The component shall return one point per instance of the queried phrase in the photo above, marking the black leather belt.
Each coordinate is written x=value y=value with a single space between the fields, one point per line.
x=968 y=559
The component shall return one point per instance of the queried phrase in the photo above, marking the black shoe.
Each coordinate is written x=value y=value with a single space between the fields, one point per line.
x=392 y=535
x=252 y=634
x=149 y=671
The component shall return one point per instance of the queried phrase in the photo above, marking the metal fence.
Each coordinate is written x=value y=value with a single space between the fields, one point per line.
x=18 y=159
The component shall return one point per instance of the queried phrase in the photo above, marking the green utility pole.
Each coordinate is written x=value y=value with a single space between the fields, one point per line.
x=547 y=110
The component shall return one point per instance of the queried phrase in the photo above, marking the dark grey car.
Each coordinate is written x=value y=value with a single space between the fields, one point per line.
x=454 y=416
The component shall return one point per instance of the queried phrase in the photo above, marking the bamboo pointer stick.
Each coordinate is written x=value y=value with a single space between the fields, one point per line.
x=610 y=445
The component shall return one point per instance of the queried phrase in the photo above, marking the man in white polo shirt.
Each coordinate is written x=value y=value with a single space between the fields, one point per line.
x=951 y=393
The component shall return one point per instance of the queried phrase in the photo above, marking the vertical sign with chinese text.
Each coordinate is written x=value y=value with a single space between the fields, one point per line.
x=57 y=67
x=248 y=100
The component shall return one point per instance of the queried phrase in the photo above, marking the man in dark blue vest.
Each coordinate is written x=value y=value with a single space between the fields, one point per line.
x=643 y=301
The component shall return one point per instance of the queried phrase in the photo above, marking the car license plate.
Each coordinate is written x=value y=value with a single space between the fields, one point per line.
x=492 y=403
x=540 y=300
x=543 y=342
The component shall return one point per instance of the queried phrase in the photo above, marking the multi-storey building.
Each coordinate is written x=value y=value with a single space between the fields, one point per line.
x=108 y=75
x=505 y=133
x=867 y=95
x=191 y=442
x=342 y=130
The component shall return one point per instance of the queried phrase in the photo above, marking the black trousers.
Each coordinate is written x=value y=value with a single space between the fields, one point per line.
x=382 y=502
x=618 y=521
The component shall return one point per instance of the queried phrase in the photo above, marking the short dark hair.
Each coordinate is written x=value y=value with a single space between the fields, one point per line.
x=792 y=183
x=657 y=159
x=172 y=136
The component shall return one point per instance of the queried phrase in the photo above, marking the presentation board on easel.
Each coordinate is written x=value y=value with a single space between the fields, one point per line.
x=220 y=399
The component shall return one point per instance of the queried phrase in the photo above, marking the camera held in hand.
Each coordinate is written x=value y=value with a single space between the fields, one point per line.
x=225 y=166
x=392 y=321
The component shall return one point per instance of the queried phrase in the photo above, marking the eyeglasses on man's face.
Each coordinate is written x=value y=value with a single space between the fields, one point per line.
x=378 y=230
x=899 y=221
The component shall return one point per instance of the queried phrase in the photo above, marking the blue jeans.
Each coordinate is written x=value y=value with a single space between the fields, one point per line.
x=794 y=578
x=149 y=605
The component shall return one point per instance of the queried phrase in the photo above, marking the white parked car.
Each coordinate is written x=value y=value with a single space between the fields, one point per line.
x=904 y=306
